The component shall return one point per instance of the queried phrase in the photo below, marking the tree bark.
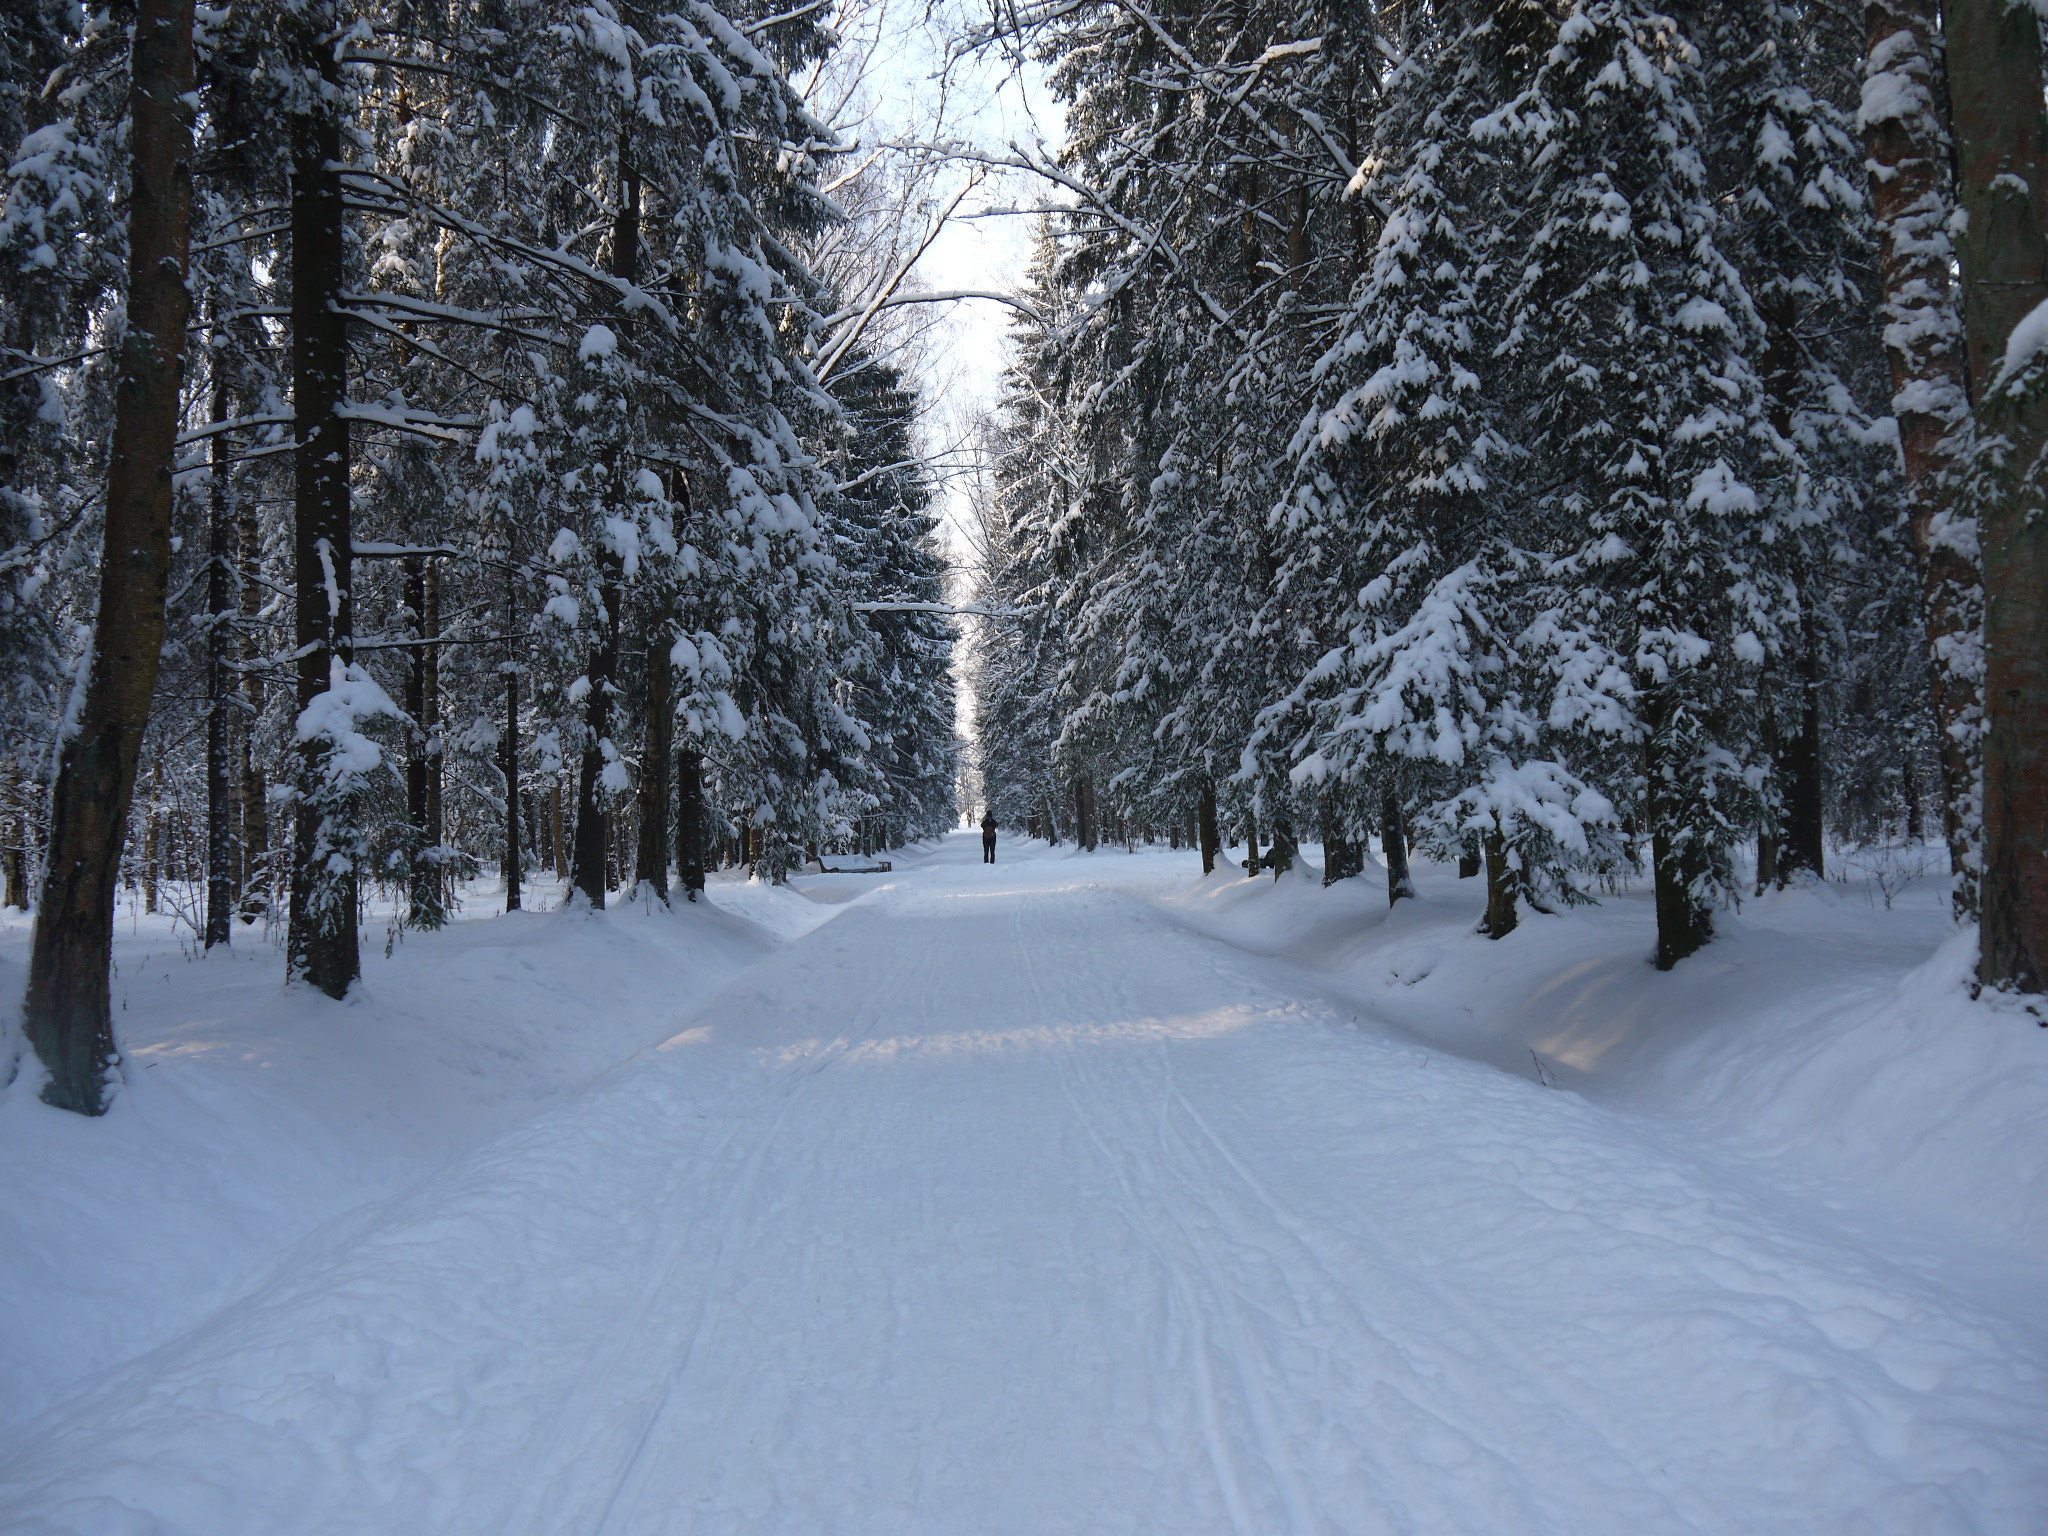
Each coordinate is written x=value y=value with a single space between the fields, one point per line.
x=1678 y=864
x=66 y=1013
x=426 y=882
x=508 y=764
x=320 y=947
x=1205 y=822
x=2001 y=130
x=587 y=857
x=1394 y=844
x=1342 y=856
x=220 y=767
x=658 y=752
x=690 y=823
x=1502 y=887
x=1284 y=849
x=1906 y=136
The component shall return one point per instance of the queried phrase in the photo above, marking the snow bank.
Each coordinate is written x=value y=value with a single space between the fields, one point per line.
x=251 y=1115
x=1825 y=1041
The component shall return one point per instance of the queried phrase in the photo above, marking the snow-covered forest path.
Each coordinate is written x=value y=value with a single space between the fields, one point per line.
x=1003 y=1202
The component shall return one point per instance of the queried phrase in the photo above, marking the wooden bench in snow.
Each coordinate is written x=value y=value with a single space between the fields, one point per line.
x=880 y=867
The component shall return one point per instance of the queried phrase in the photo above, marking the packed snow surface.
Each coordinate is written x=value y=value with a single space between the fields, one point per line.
x=1068 y=1194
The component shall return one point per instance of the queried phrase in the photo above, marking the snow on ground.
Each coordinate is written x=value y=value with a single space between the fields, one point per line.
x=1072 y=1194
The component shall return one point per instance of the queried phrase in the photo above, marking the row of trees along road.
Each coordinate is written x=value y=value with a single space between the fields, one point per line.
x=1545 y=432
x=424 y=427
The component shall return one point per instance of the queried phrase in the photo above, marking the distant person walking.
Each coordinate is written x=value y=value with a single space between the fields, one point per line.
x=988 y=837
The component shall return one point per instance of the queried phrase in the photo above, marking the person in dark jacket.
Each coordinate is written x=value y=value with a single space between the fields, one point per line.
x=988 y=837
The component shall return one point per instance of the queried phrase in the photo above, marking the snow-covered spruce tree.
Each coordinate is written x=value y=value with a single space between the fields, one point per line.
x=1209 y=148
x=1403 y=518
x=1650 y=458
x=1034 y=468
x=1783 y=159
x=885 y=545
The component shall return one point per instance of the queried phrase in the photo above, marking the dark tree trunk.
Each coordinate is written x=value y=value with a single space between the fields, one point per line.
x=1910 y=200
x=1394 y=843
x=220 y=764
x=1205 y=824
x=1468 y=865
x=1251 y=846
x=508 y=764
x=1678 y=863
x=1502 y=887
x=587 y=858
x=425 y=902
x=321 y=944
x=2001 y=131
x=1084 y=813
x=1342 y=856
x=66 y=1013
x=1803 y=830
x=255 y=842
x=1802 y=839
x=690 y=823
x=1284 y=849
x=15 y=826
x=658 y=753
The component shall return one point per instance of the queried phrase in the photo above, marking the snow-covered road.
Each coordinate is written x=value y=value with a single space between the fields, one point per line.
x=1002 y=1202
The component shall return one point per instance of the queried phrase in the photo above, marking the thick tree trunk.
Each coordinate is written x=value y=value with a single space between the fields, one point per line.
x=66 y=1013
x=1251 y=846
x=587 y=860
x=691 y=824
x=1284 y=848
x=2001 y=130
x=1342 y=857
x=1502 y=888
x=220 y=765
x=1906 y=136
x=1205 y=824
x=508 y=764
x=1394 y=843
x=320 y=947
x=655 y=757
x=1678 y=864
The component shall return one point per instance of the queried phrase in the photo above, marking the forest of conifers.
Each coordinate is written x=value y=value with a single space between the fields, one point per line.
x=460 y=400
x=1575 y=438
x=1582 y=440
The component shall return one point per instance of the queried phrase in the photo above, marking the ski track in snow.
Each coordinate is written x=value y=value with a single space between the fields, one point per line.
x=1003 y=1202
